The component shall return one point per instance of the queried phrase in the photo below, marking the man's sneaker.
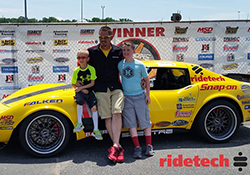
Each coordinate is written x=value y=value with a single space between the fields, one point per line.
x=120 y=157
x=78 y=127
x=137 y=154
x=149 y=150
x=113 y=154
x=97 y=134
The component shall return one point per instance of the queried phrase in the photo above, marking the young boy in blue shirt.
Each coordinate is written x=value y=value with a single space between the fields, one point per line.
x=136 y=100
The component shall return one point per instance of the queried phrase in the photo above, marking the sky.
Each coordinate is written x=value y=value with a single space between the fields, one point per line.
x=136 y=10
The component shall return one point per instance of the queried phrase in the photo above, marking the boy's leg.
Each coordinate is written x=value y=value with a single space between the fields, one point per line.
x=96 y=133
x=78 y=126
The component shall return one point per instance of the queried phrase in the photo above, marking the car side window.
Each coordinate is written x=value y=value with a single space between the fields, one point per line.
x=168 y=78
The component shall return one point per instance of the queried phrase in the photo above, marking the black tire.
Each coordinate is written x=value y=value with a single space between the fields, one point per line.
x=45 y=134
x=218 y=121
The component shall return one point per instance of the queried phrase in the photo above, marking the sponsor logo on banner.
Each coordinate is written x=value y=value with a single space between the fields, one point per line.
x=8 y=51
x=88 y=42
x=61 y=50
x=34 y=32
x=62 y=77
x=248 y=56
x=139 y=32
x=34 y=60
x=230 y=57
x=5 y=95
x=227 y=48
x=230 y=66
x=61 y=59
x=57 y=69
x=12 y=69
x=179 y=30
x=205 y=48
x=206 y=65
x=7 y=42
x=206 y=56
x=10 y=88
x=35 y=78
x=87 y=31
x=205 y=30
x=206 y=39
x=35 y=43
x=247 y=38
x=180 y=48
x=35 y=51
x=231 y=39
x=9 y=79
x=60 y=33
x=60 y=42
x=231 y=30
x=248 y=29
x=180 y=39
x=35 y=69
x=7 y=33
x=8 y=60
x=180 y=57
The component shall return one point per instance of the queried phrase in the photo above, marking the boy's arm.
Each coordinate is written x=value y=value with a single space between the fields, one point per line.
x=146 y=79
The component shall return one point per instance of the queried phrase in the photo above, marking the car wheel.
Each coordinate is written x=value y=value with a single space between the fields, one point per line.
x=45 y=133
x=218 y=121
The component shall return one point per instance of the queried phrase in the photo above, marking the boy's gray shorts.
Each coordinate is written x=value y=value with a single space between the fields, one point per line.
x=135 y=109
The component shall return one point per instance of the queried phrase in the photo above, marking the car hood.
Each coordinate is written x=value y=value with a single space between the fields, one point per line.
x=35 y=90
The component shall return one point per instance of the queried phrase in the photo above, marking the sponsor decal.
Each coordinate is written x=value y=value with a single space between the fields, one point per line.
x=248 y=56
x=34 y=60
x=7 y=120
x=231 y=30
x=180 y=39
x=183 y=113
x=206 y=39
x=35 y=69
x=248 y=29
x=205 y=87
x=240 y=97
x=5 y=95
x=230 y=57
x=179 y=30
x=35 y=43
x=230 y=66
x=230 y=48
x=180 y=48
x=247 y=38
x=87 y=31
x=206 y=65
x=88 y=42
x=61 y=50
x=48 y=101
x=245 y=102
x=163 y=124
x=180 y=57
x=5 y=33
x=187 y=99
x=7 y=42
x=34 y=32
x=247 y=107
x=182 y=106
x=10 y=87
x=139 y=32
x=60 y=42
x=206 y=78
x=60 y=33
x=206 y=56
x=205 y=48
x=205 y=30
x=61 y=59
x=57 y=69
x=9 y=60
x=8 y=51
x=245 y=88
x=35 y=78
x=9 y=79
x=35 y=51
x=13 y=69
x=62 y=77
x=179 y=122
x=6 y=128
x=231 y=39
x=197 y=70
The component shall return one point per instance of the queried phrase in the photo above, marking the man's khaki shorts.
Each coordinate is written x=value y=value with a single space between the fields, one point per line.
x=109 y=103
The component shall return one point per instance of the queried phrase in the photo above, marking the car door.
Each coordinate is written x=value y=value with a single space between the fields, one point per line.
x=173 y=98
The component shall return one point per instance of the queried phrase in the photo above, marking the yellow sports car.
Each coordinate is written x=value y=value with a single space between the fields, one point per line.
x=183 y=96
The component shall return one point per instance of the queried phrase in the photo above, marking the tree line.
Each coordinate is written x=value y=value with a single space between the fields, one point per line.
x=21 y=19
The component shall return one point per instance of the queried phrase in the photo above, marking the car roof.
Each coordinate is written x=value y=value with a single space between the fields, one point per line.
x=164 y=63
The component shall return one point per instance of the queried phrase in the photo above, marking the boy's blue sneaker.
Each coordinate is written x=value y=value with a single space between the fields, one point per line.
x=97 y=134
x=78 y=127
x=137 y=153
x=149 y=150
